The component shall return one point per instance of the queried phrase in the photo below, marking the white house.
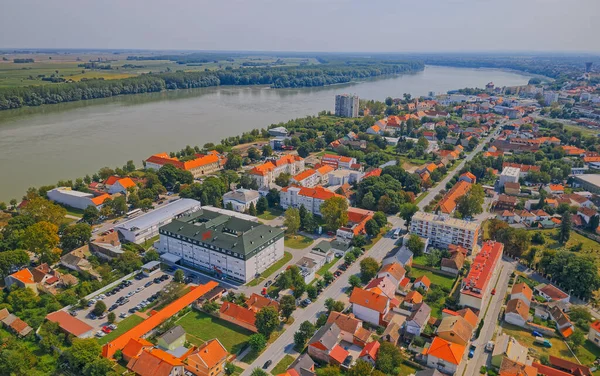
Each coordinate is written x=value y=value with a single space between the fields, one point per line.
x=517 y=312
x=369 y=306
x=416 y=322
x=241 y=199
x=311 y=198
x=75 y=199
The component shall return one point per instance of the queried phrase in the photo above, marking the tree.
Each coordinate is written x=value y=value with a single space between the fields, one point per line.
x=471 y=203
x=349 y=257
x=576 y=339
x=328 y=277
x=128 y=262
x=565 y=229
x=494 y=226
x=312 y=292
x=292 y=221
x=434 y=258
x=334 y=305
x=287 y=305
x=304 y=333
x=360 y=368
x=262 y=205
x=41 y=209
x=99 y=308
x=368 y=201
x=111 y=317
x=388 y=358
x=354 y=281
x=258 y=372
x=283 y=180
x=335 y=212
x=273 y=197
x=12 y=259
x=76 y=236
x=229 y=369
x=99 y=367
x=267 y=151
x=329 y=371
x=179 y=276
x=42 y=239
x=253 y=154
x=594 y=222
x=407 y=211
x=380 y=218
x=308 y=223
x=372 y=228
x=415 y=245
x=234 y=161
x=82 y=352
x=267 y=320
x=368 y=269
x=252 y=209
x=150 y=255
x=257 y=342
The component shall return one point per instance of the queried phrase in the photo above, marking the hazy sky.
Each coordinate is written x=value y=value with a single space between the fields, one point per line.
x=303 y=25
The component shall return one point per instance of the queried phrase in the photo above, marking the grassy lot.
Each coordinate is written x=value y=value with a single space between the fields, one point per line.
x=436 y=279
x=590 y=246
x=297 y=241
x=73 y=211
x=584 y=131
x=588 y=353
x=270 y=214
x=122 y=327
x=148 y=243
x=421 y=197
x=201 y=327
x=286 y=258
x=283 y=365
x=327 y=266
x=559 y=348
x=407 y=369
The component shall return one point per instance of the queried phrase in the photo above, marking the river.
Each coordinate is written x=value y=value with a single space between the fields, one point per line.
x=40 y=145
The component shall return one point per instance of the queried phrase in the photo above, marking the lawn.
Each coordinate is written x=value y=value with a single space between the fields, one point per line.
x=297 y=241
x=149 y=242
x=74 y=211
x=327 y=266
x=590 y=246
x=200 y=327
x=436 y=279
x=559 y=348
x=272 y=269
x=270 y=214
x=283 y=365
x=421 y=197
x=407 y=369
x=588 y=353
x=122 y=327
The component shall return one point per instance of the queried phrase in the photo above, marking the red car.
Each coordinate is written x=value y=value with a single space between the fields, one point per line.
x=493 y=291
x=106 y=329
x=264 y=291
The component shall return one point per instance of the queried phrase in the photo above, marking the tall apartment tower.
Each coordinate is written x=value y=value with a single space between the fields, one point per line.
x=346 y=105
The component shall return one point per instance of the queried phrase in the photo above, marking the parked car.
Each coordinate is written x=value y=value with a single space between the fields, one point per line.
x=123 y=315
x=112 y=326
x=113 y=307
x=269 y=283
x=149 y=283
x=472 y=351
x=73 y=313
x=106 y=329
x=164 y=277
x=339 y=255
x=493 y=291
x=535 y=333
x=100 y=334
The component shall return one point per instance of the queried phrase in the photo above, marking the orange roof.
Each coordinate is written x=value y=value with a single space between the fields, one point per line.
x=211 y=353
x=431 y=167
x=135 y=346
x=69 y=323
x=376 y=128
x=255 y=302
x=556 y=187
x=318 y=192
x=24 y=276
x=414 y=297
x=448 y=203
x=338 y=354
x=158 y=318
x=519 y=307
x=424 y=280
x=567 y=332
x=522 y=288
x=469 y=315
x=304 y=174
x=447 y=351
x=325 y=169
x=591 y=159
x=369 y=299
x=395 y=270
x=370 y=349
x=346 y=323
x=596 y=326
x=154 y=362
x=126 y=183
x=262 y=169
x=469 y=175
x=100 y=199
x=238 y=312
x=202 y=161
x=482 y=268
x=112 y=180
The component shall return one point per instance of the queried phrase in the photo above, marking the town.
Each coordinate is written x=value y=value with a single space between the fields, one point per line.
x=448 y=234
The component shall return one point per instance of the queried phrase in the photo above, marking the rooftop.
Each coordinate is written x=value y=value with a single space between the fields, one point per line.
x=157 y=216
x=69 y=323
x=445 y=221
x=447 y=351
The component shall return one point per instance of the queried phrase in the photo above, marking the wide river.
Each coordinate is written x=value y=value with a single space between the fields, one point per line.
x=40 y=145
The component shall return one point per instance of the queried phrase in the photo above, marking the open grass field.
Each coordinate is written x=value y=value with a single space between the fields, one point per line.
x=122 y=327
x=270 y=214
x=436 y=279
x=559 y=348
x=589 y=246
x=297 y=241
x=283 y=365
x=201 y=327
x=284 y=260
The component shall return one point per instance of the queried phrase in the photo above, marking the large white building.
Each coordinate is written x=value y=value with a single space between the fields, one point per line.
x=241 y=199
x=346 y=105
x=266 y=173
x=442 y=230
x=139 y=229
x=75 y=199
x=509 y=175
x=311 y=198
x=229 y=246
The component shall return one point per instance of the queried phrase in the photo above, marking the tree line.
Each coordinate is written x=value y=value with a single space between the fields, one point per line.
x=277 y=77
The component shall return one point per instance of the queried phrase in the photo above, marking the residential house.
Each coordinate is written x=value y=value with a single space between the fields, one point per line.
x=468 y=177
x=302 y=366
x=422 y=282
x=201 y=165
x=506 y=202
x=375 y=130
x=522 y=291
x=311 y=198
x=507 y=346
x=369 y=306
x=116 y=184
x=257 y=302
x=351 y=328
x=560 y=367
x=369 y=352
x=382 y=286
x=551 y=293
x=511 y=368
x=238 y=315
x=455 y=329
x=393 y=330
x=511 y=188
x=241 y=199
x=172 y=338
x=524 y=169
x=448 y=203
x=134 y=348
x=14 y=324
x=586 y=213
x=516 y=312
x=77 y=260
x=454 y=263
x=394 y=271
x=23 y=278
x=357 y=220
x=308 y=268
x=324 y=345
x=594 y=333
x=71 y=325
x=509 y=217
x=338 y=161
x=156 y=362
x=208 y=360
x=412 y=298
x=444 y=356
x=418 y=319
x=563 y=324
x=555 y=189
x=266 y=173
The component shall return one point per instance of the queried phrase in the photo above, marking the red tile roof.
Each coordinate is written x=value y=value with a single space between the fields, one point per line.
x=447 y=351
x=338 y=354
x=482 y=268
x=370 y=349
x=100 y=199
x=210 y=353
x=69 y=323
x=522 y=288
x=304 y=174
x=574 y=368
x=24 y=276
x=154 y=362
x=158 y=318
x=239 y=313
x=424 y=280
x=134 y=347
x=448 y=202
x=369 y=300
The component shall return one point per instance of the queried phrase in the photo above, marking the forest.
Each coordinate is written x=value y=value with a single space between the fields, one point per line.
x=276 y=77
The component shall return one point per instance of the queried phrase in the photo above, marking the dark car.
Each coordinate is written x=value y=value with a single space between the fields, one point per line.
x=164 y=277
x=113 y=307
x=157 y=280
x=267 y=364
x=149 y=283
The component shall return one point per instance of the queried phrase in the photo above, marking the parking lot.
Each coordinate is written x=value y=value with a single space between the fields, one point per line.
x=132 y=295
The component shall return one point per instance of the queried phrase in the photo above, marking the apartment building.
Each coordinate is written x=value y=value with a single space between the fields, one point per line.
x=509 y=174
x=475 y=284
x=311 y=198
x=346 y=105
x=228 y=246
x=201 y=165
x=442 y=231
x=266 y=173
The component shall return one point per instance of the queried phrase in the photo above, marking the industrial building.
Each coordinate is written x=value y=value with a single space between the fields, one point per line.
x=75 y=199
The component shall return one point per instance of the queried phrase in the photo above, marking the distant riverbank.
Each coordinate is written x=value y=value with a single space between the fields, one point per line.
x=40 y=145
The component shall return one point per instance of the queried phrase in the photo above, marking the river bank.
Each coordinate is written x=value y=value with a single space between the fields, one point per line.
x=41 y=145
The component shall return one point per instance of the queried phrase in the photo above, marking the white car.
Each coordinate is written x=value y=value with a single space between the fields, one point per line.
x=100 y=334
x=112 y=326
x=123 y=315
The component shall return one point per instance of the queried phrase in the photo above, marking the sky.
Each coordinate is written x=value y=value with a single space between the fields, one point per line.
x=304 y=25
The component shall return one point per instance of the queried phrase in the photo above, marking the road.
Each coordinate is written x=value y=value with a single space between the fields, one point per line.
x=491 y=311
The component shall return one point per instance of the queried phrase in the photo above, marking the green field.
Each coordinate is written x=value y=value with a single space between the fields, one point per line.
x=436 y=279
x=297 y=241
x=590 y=246
x=272 y=269
x=283 y=365
x=200 y=327
x=326 y=267
x=122 y=327
x=270 y=214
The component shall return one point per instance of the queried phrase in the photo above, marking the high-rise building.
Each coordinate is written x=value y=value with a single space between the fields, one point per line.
x=588 y=66
x=346 y=105
x=441 y=230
